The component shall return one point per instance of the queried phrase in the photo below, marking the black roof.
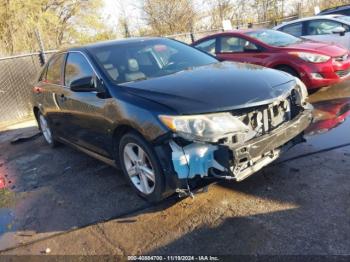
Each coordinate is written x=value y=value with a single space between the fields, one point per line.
x=112 y=42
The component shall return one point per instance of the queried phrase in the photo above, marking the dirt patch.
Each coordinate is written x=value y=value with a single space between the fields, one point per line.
x=7 y=198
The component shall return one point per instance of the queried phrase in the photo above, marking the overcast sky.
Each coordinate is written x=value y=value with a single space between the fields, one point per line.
x=112 y=8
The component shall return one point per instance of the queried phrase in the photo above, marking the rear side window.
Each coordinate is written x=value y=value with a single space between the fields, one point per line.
x=295 y=29
x=207 y=46
x=76 y=67
x=54 y=70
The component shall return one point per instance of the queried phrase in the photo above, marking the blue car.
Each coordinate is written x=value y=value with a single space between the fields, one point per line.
x=341 y=10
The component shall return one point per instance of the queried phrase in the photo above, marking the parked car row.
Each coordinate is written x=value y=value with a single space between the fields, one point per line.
x=314 y=49
x=168 y=114
x=316 y=64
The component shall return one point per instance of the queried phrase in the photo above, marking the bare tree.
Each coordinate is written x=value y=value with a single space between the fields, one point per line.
x=169 y=17
x=61 y=23
x=6 y=27
x=220 y=10
x=241 y=13
x=123 y=20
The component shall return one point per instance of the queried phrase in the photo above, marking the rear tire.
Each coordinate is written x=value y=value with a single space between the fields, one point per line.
x=141 y=167
x=46 y=130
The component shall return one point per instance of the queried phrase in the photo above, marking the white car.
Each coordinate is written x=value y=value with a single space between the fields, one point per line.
x=333 y=29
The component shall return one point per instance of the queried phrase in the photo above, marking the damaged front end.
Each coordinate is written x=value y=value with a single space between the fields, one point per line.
x=234 y=145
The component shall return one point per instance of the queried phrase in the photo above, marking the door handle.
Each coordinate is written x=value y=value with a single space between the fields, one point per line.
x=63 y=98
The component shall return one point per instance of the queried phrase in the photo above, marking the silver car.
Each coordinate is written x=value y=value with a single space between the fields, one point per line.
x=333 y=29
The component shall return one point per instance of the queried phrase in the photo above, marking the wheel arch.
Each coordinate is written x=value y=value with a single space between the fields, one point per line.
x=118 y=133
x=279 y=66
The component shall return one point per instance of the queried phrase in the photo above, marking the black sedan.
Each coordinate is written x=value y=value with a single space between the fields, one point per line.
x=168 y=114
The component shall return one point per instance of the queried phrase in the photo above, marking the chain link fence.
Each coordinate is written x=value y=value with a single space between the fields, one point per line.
x=190 y=37
x=17 y=76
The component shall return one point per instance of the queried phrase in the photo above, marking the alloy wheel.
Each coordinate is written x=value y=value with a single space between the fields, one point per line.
x=139 y=168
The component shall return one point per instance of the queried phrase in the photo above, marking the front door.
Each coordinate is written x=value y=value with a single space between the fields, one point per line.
x=85 y=121
x=322 y=30
x=233 y=48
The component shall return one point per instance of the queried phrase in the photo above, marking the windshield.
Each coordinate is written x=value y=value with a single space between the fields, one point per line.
x=344 y=18
x=134 y=61
x=274 y=38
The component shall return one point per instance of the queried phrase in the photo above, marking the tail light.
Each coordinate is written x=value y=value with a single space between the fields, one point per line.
x=37 y=90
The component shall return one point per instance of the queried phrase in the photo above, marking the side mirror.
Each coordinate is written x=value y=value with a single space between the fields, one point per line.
x=339 y=30
x=84 y=84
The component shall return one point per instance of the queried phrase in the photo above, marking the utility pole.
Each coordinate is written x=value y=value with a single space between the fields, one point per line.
x=42 y=57
x=299 y=10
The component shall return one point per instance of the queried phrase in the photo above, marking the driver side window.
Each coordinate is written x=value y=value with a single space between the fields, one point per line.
x=76 y=67
x=232 y=44
x=322 y=27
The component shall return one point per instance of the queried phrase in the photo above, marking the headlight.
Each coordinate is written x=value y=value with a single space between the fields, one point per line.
x=302 y=90
x=311 y=57
x=210 y=127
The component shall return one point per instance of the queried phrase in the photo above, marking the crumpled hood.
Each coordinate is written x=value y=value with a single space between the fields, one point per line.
x=213 y=88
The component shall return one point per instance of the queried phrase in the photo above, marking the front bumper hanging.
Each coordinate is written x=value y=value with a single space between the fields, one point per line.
x=236 y=162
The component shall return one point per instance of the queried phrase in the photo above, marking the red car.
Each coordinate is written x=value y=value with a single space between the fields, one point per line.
x=316 y=64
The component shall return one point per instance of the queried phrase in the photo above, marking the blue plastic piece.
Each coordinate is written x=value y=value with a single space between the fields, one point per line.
x=194 y=159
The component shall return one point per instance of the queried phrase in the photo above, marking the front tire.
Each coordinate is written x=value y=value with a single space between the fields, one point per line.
x=141 y=167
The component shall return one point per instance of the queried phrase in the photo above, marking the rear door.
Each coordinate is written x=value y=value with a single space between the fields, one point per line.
x=50 y=85
x=84 y=118
x=322 y=30
x=234 y=48
x=295 y=29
